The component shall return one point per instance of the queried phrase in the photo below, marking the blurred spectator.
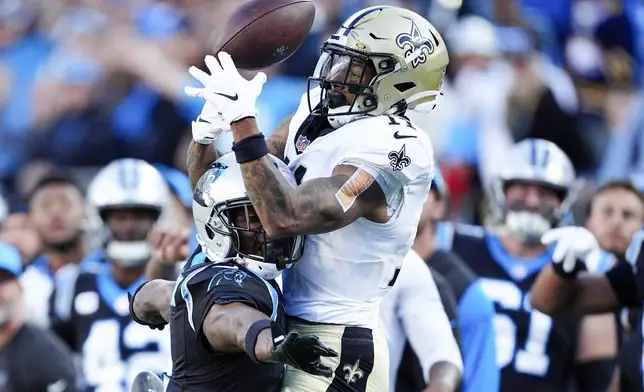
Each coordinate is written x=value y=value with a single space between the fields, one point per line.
x=22 y=346
x=624 y=152
x=17 y=232
x=22 y=51
x=181 y=216
x=57 y=213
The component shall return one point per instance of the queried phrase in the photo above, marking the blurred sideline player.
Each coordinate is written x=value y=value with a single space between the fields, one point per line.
x=413 y=310
x=57 y=213
x=563 y=287
x=614 y=215
x=364 y=171
x=475 y=312
x=172 y=238
x=90 y=310
x=31 y=359
x=225 y=311
x=532 y=192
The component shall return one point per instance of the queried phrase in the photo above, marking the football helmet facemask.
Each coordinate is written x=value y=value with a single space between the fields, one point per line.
x=222 y=214
x=540 y=162
x=127 y=184
x=386 y=59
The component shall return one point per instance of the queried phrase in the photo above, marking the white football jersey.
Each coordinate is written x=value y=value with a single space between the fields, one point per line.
x=412 y=310
x=343 y=275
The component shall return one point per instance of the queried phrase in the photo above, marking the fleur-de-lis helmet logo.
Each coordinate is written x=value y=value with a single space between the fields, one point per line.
x=412 y=41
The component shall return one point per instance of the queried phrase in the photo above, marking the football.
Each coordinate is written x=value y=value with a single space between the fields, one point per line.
x=261 y=33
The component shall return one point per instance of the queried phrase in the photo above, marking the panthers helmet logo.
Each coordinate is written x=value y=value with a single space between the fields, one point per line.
x=412 y=41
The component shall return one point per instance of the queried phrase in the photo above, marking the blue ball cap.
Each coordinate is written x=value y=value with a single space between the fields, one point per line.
x=10 y=259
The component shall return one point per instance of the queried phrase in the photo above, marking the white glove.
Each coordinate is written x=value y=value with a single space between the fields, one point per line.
x=572 y=244
x=209 y=125
x=232 y=95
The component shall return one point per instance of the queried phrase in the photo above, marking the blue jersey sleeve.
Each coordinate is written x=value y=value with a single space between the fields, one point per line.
x=475 y=323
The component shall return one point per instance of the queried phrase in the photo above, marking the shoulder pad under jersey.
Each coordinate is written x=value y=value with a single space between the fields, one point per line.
x=390 y=145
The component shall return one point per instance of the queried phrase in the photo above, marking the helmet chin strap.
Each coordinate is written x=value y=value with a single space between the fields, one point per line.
x=527 y=226
x=128 y=254
x=339 y=121
x=265 y=270
x=336 y=102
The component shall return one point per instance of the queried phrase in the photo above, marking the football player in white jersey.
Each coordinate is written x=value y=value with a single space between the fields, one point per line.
x=364 y=172
x=413 y=310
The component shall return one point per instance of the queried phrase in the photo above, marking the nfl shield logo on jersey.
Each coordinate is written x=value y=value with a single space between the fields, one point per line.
x=302 y=143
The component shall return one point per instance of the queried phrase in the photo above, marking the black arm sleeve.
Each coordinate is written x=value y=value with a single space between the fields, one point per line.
x=594 y=375
x=622 y=280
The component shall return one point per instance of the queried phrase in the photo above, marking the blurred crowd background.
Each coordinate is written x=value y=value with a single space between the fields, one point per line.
x=83 y=82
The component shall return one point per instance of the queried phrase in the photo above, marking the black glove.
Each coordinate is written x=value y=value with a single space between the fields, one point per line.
x=153 y=325
x=559 y=270
x=303 y=353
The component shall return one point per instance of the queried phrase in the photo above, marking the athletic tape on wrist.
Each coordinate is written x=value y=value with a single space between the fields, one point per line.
x=253 y=333
x=251 y=337
x=250 y=148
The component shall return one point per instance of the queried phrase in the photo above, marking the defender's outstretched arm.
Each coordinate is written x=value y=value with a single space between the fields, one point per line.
x=151 y=302
x=237 y=327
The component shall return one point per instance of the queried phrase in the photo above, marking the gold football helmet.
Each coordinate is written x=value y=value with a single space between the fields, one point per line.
x=384 y=59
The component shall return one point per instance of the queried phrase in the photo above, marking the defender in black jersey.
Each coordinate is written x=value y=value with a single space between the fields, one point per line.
x=225 y=309
x=535 y=352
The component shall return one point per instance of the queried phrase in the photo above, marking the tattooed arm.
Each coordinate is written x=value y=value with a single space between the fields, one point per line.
x=317 y=206
x=277 y=141
x=200 y=156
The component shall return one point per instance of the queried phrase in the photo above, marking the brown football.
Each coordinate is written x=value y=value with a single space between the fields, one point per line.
x=260 y=33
